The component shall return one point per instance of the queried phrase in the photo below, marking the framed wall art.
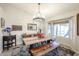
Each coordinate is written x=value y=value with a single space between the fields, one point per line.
x=32 y=26
x=16 y=27
x=2 y=22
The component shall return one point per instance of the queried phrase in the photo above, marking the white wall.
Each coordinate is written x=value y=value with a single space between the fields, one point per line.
x=74 y=42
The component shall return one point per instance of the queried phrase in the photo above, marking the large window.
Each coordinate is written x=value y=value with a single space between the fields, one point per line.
x=61 y=29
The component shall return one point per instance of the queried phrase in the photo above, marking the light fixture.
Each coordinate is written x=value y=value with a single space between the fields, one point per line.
x=38 y=16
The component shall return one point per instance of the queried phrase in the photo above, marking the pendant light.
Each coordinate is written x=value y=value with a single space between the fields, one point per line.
x=38 y=17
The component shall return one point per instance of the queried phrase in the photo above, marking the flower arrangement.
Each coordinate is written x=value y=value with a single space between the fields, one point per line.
x=7 y=29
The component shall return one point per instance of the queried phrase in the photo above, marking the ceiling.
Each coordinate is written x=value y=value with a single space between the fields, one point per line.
x=47 y=9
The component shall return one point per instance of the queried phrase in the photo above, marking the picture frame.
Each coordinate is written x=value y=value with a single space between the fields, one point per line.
x=2 y=21
x=31 y=26
x=16 y=27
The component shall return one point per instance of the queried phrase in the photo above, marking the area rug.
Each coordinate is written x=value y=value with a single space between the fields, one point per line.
x=22 y=51
x=59 y=51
